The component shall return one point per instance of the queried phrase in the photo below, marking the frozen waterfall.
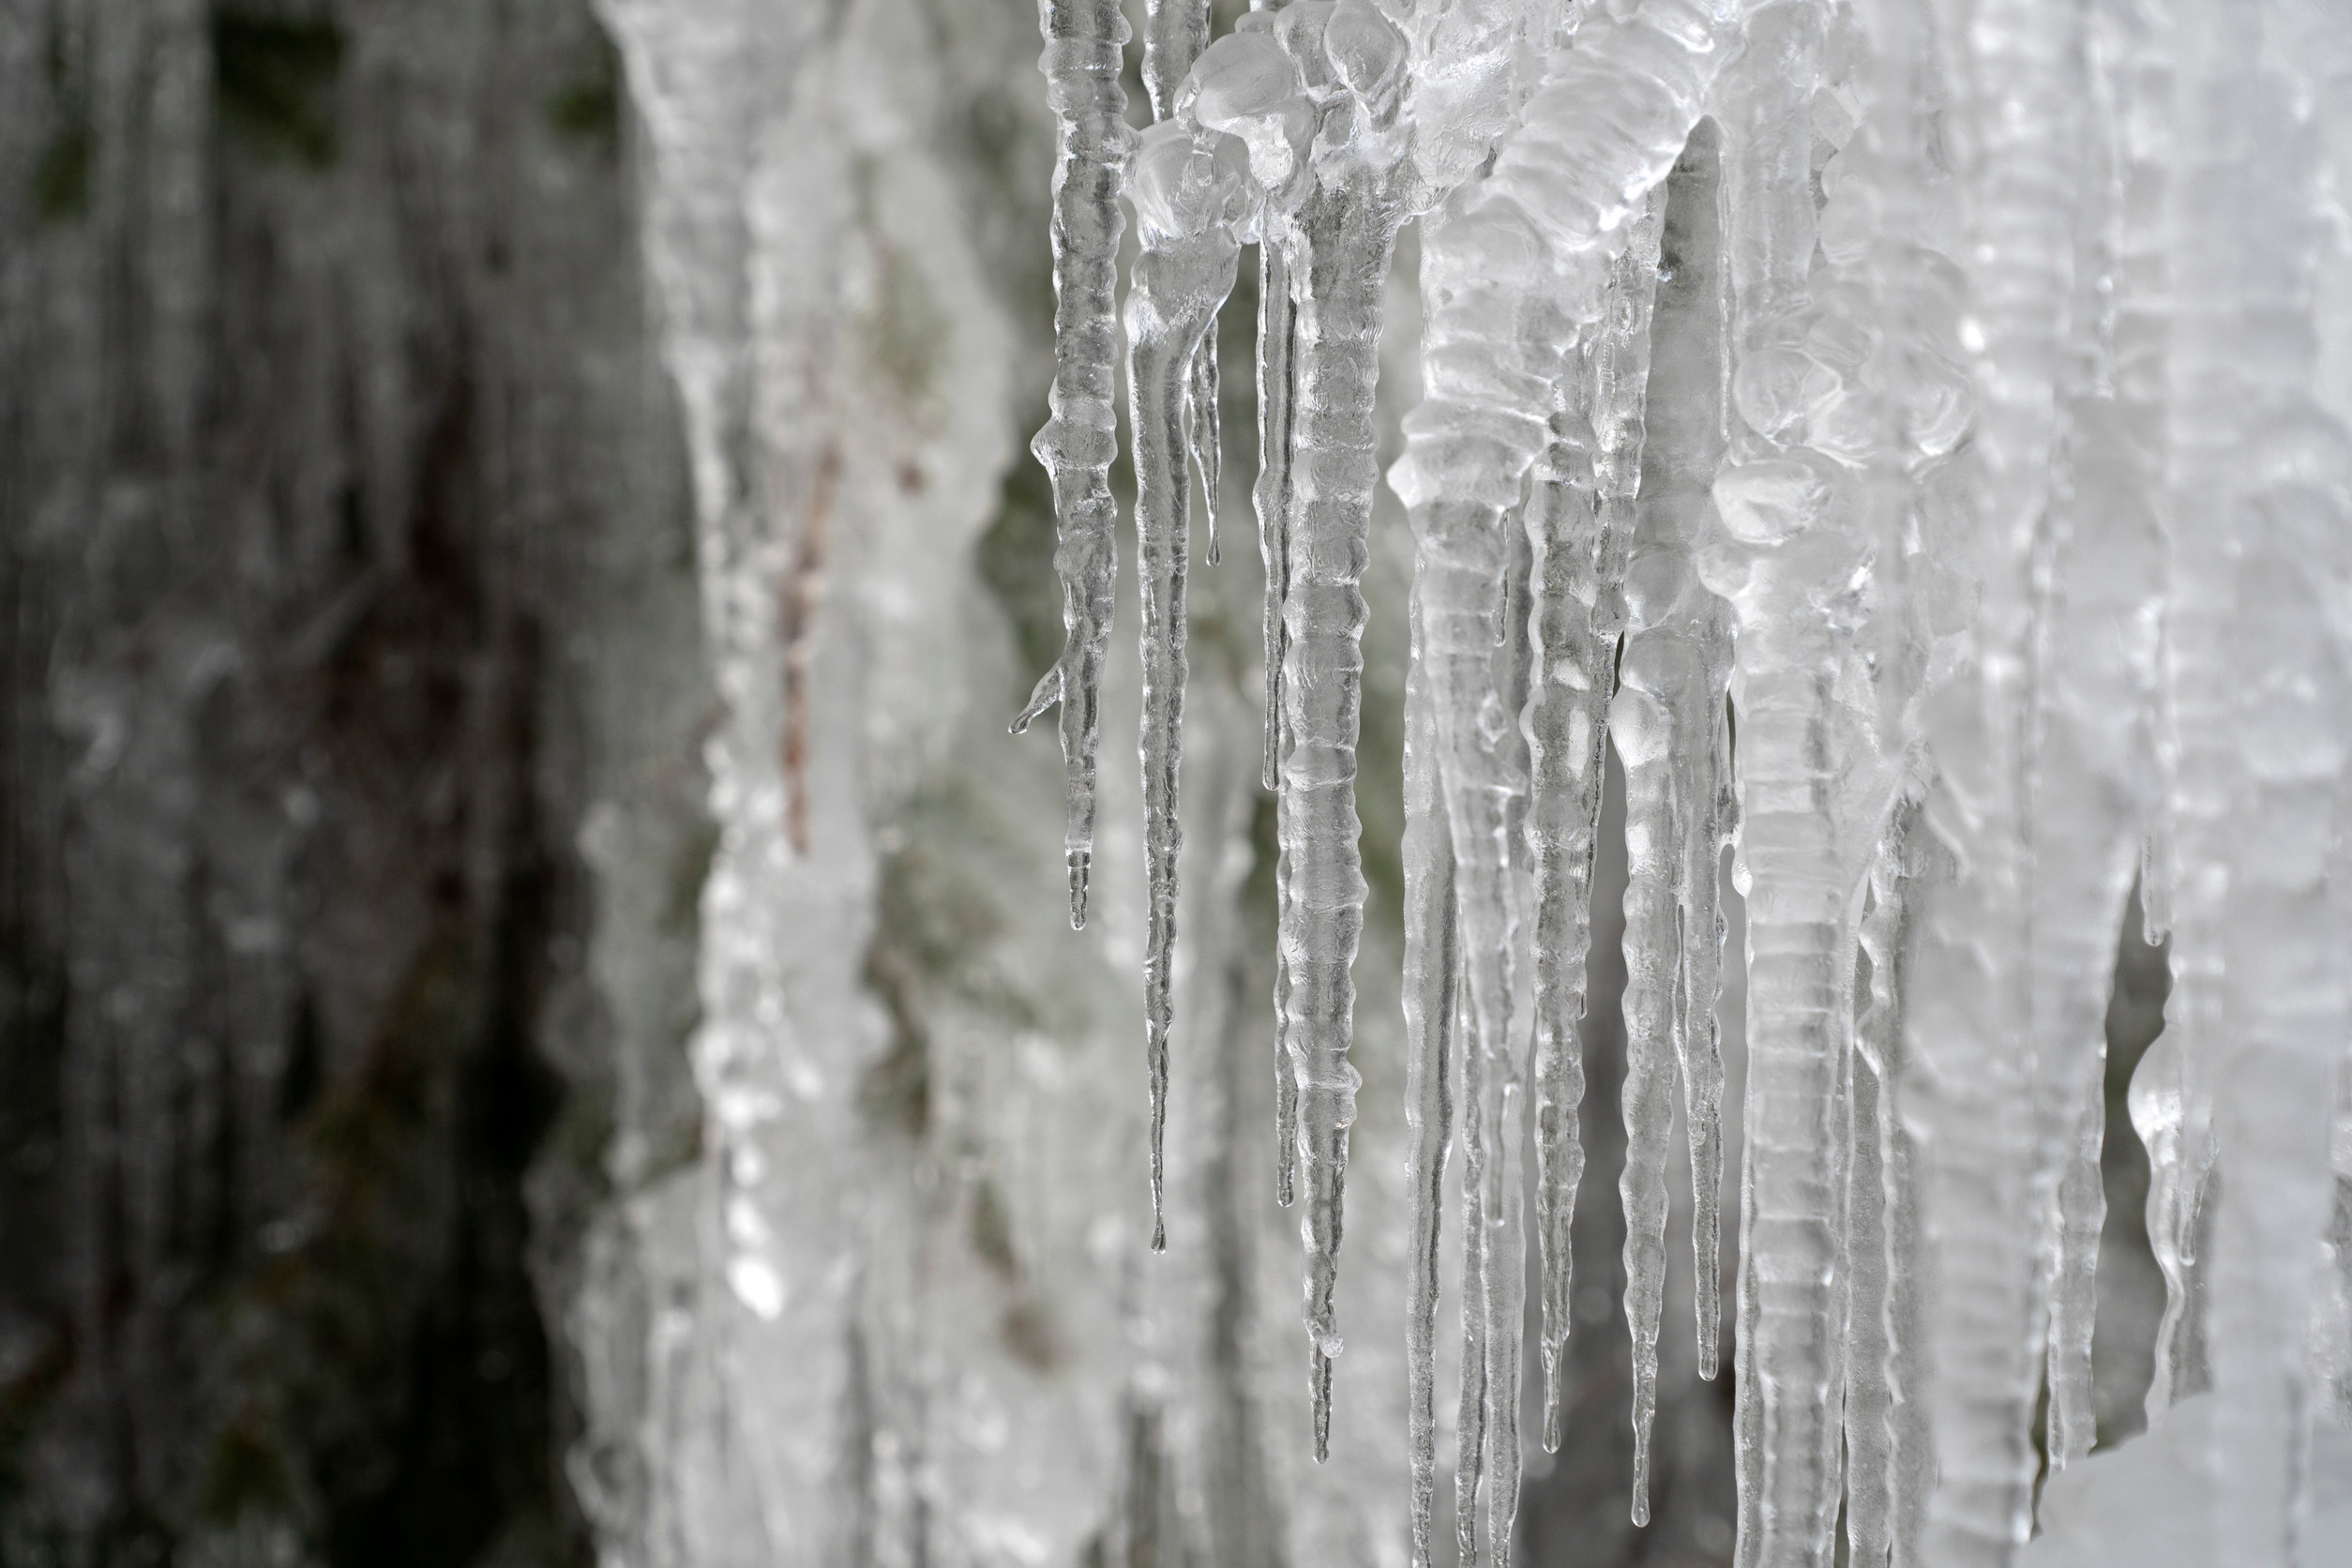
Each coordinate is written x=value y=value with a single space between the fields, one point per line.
x=1904 y=442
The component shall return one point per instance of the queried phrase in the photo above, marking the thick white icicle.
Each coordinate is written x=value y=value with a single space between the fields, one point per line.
x=2000 y=1082
x=1785 y=554
x=2245 y=358
x=1081 y=63
x=1191 y=193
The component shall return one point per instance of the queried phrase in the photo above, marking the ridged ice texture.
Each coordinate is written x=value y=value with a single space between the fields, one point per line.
x=1785 y=554
x=1174 y=34
x=1889 y=1464
x=1192 y=192
x=2245 y=357
x=1431 y=966
x=1513 y=281
x=2005 y=1059
x=1081 y=63
x=1668 y=718
x=1337 y=245
x=2096 y=773
x=1977 y=457
x=1566 y=721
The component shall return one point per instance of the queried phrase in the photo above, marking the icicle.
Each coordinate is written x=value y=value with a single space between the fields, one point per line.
x=1638 y=716
x=1081 y=64
x=1504 y=1243
x=2096 y=770
x=1566 y=721
x=2261 y=482
x=2082 y=1214
x=1890 y=1468
x=1430 y=966
x=1869 y=1439
x=1668 y=715
x=1339 y=244
x=1999 y=1043
x=2175 y=1178
x=1191 y=193
x=1469 y=1463
x=1205 y=431
x=1249 y=86
x=1785 y=549
x=1174 y=34
x=1271 y=498
x=1642 y=730
x=1541 y=227
x=1272 y=494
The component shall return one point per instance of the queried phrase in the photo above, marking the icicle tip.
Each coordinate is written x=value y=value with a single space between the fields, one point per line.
x=1080 y=861
x=1046 y=693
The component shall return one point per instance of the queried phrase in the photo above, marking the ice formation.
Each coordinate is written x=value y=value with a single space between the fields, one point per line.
x=1912 y=433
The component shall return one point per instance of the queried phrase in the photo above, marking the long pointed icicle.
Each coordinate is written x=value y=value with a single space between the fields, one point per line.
x=1567 y=727
x=1811 y=768
x=1340 y=243
x=1653 y=831
x=1272 y=497
x=2000 y=1109
x=1504 y=1110
x=1889 y=1469
x=1430 y=963
x=1513 y=276
x=1469 y=1462
x=1566 y=722
x=1188 y=187
x=1081 y=64
x=2097 y=772
x=1666 y=716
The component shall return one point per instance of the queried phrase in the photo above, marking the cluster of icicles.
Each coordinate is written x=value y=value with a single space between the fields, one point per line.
x=1922 y=397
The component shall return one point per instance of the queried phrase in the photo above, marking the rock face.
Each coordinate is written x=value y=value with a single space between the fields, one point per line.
x=349 y=575
x=538 y=1018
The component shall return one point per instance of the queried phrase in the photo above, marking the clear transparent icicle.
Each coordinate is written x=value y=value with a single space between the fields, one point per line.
x=1890 y=1470
x=1430 y=967
x=1669 y=718
x=1469 y=1463
x=1514 y=276
x=1174 y=34
x=1271 y=499
x=1653 y=847
x=1566 y=722
x=1191 y=193
x=1338 y=244
x=1249 y=86
x=1503 y=1111
x=1081 y=64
